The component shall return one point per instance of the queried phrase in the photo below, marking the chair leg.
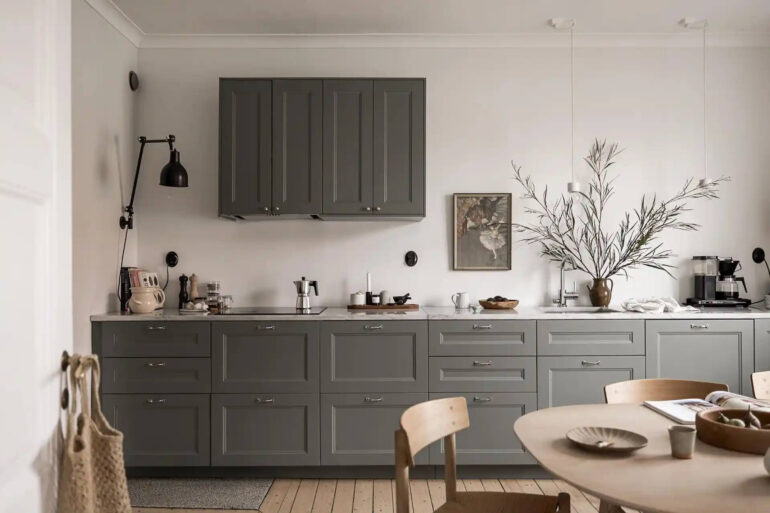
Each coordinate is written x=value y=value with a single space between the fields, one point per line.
x=608 y=507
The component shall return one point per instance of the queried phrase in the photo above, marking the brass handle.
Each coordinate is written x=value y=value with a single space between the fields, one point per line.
x=158 y=364
x=699 y=326
x=369 y=399
x=155 y=401
x=152 y=328
x=373 y=327
x=268 y=327
x=269 y=400
x=477 y=363
x=482 y=326
x=590 y=363
x=478 y=399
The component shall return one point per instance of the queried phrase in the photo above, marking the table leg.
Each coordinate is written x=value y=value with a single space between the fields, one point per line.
x=608 y=507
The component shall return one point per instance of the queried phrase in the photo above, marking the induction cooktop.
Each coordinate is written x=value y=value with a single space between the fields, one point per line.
x=271 y=310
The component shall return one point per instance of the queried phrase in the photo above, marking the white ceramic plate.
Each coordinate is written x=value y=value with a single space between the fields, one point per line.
x=606 y=439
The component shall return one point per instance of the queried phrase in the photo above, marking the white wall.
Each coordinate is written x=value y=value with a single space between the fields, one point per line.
x=103 y=148
x=484 y=108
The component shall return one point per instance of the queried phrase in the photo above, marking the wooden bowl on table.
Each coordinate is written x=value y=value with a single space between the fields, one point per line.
x=733 y=438
x=499 y=305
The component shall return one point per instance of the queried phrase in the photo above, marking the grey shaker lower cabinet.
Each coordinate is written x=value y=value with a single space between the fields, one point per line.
x=378 y=356
x=721 y=351
x=490 y=439
x=482 y=338
x=483 y=374
x=156 y=375
x=265 y=357
x=761 y=345
x=161 y=429
x=590 y=337
x=271 y=430
x=358 y=429
x=152 y=338
x=565 y=380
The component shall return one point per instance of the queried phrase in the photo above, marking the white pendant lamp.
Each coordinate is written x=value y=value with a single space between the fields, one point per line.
x=569 y=24
x=701 y=24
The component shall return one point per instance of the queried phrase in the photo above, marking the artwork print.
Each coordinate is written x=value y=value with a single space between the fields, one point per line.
x=482 y=231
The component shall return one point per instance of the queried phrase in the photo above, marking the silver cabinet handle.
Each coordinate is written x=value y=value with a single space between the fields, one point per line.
x=277 y=209
x=477 y=399
x=153 y=328
x=368 y=209
x=266 y=209
x=482 y=326
x=158 y=364
x=373 y=327
x=699 y=326
x=370 y=399
x=377 y=208
x=477 y=363
x=590 y=363
x=268 y=327
x=269 y=400
x=155 y=401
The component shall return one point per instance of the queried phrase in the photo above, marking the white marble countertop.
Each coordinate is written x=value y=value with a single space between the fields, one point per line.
x=441 y=313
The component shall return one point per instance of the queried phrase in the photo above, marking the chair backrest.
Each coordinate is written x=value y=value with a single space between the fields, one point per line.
x=427 y=422
x=760 y=382
x=640 y=390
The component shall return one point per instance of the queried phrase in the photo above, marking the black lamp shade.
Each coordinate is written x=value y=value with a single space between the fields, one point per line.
x=173 y=174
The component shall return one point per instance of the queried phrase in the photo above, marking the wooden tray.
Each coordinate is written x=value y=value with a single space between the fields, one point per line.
x=408 y=306
x=733 y=438
x=499 y=305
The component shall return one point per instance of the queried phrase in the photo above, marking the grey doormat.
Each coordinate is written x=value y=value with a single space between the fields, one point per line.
x=215 y=493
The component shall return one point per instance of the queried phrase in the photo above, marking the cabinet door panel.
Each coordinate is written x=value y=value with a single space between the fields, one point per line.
x=347 y=153
x=564 y=380
x=358 y=428
x=762 y=344
x=277 y=357
x=297 y=146
x=487 y=373
x=269 y=430
x=161 y=429
x=590 y=337
x=490 y=439
x=492 y=338
x=721 y=351
x=156 y=375
x=153 y=339
x=245 y=146
x=399 y=147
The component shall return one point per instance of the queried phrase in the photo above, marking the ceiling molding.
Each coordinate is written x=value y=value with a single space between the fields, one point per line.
x=118 y=19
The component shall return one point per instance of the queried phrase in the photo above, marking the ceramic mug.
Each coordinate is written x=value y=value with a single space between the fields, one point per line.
x=146 y=299
x=461 y=300
x=358 y=298
x=682 y=440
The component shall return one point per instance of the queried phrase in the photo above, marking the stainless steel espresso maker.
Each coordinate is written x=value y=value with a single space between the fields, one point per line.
x=303 y=293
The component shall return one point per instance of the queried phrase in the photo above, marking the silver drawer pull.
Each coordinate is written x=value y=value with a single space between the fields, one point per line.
x=369 y=399
x=269 y=400
x=482 y=326
x=590 y=363
x=477 y=363
x=156 y=364
x=373 y=327
x=155 y=401
x=153 y=328
x=268 y=327
x=699 y=326
x=477 y=399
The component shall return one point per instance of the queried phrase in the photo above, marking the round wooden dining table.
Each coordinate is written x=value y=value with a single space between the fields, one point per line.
x=650 y=480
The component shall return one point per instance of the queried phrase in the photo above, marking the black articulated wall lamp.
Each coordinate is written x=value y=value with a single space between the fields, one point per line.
x=173 y=174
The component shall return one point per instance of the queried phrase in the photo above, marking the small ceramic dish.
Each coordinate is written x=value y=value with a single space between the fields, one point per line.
x=606 y=439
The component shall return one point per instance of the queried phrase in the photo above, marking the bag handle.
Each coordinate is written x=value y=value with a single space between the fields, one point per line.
x=94 y=407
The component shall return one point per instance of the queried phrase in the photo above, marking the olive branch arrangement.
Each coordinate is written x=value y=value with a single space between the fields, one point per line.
x=571 y=228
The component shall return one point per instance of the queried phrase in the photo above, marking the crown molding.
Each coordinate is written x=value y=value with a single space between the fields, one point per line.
x=118 y=19
x=299 y=41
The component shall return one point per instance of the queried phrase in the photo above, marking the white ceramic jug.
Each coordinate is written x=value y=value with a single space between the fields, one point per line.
x=146 y=299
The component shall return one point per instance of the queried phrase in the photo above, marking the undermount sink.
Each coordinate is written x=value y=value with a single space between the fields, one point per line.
x=577 y=309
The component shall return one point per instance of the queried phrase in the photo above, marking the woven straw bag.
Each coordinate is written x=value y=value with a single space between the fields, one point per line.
x=93 y=478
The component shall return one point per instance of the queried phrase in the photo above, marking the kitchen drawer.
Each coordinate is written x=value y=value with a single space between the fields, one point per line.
x=151 y=338
x=490 y=439
x=386 y=356
x=483 y=374
x=161 y=430
x=265 y=430
x=358 y=429
x=564 y=380
x=482 y=337
x=590 y=337
x=265 y=357
x=156 y=375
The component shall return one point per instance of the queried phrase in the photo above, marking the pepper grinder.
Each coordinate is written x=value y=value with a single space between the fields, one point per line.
x=194 y=287
x=183 y=296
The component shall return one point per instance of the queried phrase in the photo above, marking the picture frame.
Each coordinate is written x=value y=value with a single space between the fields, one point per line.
x=481 y=228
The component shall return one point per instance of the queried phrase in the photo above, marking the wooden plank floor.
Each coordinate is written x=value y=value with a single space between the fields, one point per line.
x=378 y=495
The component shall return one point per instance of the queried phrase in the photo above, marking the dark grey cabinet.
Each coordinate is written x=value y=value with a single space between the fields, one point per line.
x=399 y=147
x=721 y=351
x=482 y=338
x=161 y=429
x=156 y=375
x=490 y=439
x=377 y=356
x=761 y=344
x=564 y=380
x=357 y=429
x=245 y=147
x=488 y=373
x=152 y=339
x=590 y=337
x=270 y=357
x=274 y=430
x=297 y=146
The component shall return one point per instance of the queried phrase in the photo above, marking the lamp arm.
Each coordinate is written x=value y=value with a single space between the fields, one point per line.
x=127 y=221
x=130 y=207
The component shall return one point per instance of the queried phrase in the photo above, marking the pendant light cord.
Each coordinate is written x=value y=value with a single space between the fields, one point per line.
x=705 y=139
x=572 y=96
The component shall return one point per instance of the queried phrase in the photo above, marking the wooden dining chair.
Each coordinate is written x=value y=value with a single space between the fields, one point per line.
x=427 y=422
x=760 y=383
x=640 y=390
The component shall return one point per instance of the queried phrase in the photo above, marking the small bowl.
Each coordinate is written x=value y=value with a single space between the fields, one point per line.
x=500 y=305
x=476 y=308
x=606 y=439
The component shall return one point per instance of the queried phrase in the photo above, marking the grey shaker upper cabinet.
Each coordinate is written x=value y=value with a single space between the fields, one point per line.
x=245 y=131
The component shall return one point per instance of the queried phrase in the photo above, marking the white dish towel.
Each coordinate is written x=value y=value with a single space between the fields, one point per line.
x=655 y=305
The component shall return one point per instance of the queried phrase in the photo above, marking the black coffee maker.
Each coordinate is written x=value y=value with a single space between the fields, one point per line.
x=716 y=284
x=727 y=284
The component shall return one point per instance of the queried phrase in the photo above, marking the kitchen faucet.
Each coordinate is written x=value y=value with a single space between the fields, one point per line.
x=564 y=296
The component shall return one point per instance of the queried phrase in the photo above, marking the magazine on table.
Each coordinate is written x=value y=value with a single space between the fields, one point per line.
x=683 y=411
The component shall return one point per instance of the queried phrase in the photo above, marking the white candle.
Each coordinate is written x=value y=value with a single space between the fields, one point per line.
x=368 y=282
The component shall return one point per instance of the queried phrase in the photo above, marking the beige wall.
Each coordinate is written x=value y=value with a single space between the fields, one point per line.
x=103 y=149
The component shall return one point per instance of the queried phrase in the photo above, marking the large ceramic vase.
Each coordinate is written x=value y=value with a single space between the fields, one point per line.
x=600 y=293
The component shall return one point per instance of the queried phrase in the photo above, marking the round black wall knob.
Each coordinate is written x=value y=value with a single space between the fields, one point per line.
x=410 y=258
x=172 y=259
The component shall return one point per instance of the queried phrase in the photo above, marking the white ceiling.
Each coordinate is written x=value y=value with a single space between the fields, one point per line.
x=438 y=16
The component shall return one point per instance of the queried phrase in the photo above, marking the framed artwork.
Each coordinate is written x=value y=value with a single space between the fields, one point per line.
x=482 y=232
